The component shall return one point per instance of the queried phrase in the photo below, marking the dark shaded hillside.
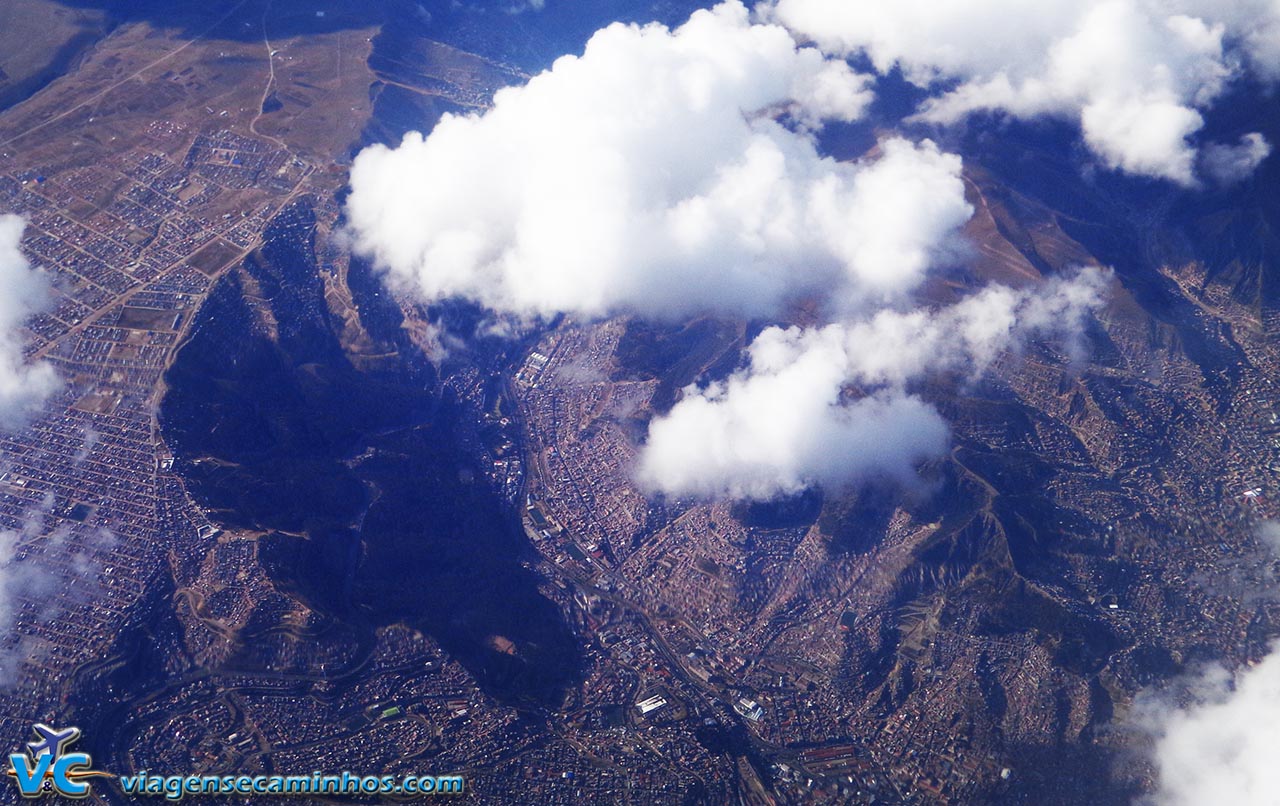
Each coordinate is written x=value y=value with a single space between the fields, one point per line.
x=358 y=475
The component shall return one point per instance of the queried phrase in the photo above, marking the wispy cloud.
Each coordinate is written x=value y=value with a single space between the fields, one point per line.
x=23 y=292
x=1217 y=732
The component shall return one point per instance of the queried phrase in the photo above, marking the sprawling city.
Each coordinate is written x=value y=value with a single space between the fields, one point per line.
x=805 y=403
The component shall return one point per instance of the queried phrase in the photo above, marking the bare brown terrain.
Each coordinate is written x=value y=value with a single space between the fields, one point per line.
x=275 y=522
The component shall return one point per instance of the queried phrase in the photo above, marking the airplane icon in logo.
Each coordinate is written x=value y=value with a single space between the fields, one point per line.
x=52 y=741
x=49 y=767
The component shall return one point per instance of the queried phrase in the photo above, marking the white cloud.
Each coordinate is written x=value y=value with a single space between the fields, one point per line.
x=1228 y=164
x=1219 y=746
x=788 y=421
x=514 y=8
x=781 y=426
x=35 y=584
x=1269 y=535
x=1223 y=748
x=1134 y=74
x=23 y=291
x=10 y=582
x=669 y=172
x=650 y=175
x=772 y=435
x=1253 y=24
x=19 y=578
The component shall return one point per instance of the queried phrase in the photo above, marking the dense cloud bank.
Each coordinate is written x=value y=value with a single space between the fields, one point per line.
x=1136 y=75
x=649 y=175
x=672 y=172
x=23 y=292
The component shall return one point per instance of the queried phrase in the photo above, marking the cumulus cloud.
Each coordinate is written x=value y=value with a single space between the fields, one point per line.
x=653 y=174
x=1134 y=74
x=781 y=426
x=790 y=420
x=23 y=291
